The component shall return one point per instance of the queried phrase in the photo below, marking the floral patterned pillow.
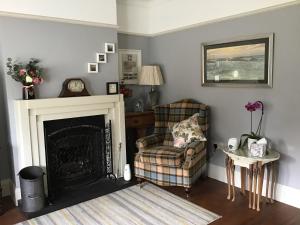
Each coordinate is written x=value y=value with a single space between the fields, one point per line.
x=186 y=131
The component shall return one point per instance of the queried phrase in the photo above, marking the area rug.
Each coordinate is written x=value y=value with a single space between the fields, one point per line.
x=131 y=206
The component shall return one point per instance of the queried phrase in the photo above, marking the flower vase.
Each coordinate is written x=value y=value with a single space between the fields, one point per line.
x=28 y=92
x=250 y=142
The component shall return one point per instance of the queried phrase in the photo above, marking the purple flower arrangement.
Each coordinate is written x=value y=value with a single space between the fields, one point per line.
x=252 y=107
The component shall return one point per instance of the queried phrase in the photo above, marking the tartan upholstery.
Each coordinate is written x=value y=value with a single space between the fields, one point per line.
x=161 y=163
x=163 y=155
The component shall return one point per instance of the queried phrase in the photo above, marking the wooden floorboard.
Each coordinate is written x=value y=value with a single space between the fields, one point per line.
x=210 y=194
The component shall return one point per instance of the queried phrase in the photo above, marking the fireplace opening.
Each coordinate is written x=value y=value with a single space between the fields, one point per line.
x=76 y=153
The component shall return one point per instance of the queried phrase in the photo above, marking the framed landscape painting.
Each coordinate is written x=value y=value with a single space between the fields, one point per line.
x=241 y=62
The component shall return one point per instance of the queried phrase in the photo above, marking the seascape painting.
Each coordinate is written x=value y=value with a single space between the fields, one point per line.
x=239 y=62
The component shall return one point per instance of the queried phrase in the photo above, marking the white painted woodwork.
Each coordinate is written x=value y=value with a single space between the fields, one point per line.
x=101 y=12
x=155 y=17
x=30 y=115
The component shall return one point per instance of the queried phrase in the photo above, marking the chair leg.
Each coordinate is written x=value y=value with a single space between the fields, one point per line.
x=140 y=182
x=187 y=191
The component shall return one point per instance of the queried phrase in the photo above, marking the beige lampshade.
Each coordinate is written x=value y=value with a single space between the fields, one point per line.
x=151 y=75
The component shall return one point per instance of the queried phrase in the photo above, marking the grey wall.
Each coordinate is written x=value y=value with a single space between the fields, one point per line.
x=179 y=55
x=64 y=49
x=141 y=43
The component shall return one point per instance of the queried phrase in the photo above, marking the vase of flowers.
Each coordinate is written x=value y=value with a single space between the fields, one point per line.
x=29 y=75
x=253 y=136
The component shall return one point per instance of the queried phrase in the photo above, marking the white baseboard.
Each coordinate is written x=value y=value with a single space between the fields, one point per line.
x=6 y=187
x=285 y=194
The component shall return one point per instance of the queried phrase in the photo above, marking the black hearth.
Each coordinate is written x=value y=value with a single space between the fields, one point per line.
x=76 y=154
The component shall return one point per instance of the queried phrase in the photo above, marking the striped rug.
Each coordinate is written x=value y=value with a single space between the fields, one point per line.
x=149 y=205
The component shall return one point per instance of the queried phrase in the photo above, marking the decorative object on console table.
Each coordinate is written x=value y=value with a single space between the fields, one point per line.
x=253 y=137
x=29 y=75
x=239 y=62
x=73 y=87
x=127 y=92
x=112 y=88
x=151 y=75
x=130 y=65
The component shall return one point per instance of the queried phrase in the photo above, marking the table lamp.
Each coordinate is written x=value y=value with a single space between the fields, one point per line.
x=151 y=75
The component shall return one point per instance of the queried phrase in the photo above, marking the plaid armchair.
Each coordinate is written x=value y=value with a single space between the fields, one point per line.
x=159 y=161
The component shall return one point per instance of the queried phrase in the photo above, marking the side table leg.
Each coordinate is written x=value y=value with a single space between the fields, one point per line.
x=268 y=181
x=254 y=185
x=274 y=176
x=232 y=177
x=250 y=178
x=228 y=165
x=243 y=180
x=260 y=183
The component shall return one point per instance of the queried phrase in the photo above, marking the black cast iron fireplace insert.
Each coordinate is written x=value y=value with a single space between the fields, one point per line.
x=78 y=153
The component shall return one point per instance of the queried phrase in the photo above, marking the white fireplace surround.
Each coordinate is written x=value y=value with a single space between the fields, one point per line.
x=30 y=115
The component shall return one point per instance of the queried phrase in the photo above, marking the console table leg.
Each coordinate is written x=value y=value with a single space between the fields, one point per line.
x=260 y=183
x=228 y=164
x=268 y=181
x=254 y=185
x=250 y=178
x=232 y=177
x=273 y=169
x=243 y=180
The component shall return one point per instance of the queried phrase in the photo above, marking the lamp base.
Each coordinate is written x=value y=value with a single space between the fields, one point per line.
x=154 y=95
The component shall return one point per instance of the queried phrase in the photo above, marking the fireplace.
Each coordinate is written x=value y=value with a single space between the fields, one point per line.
x=75 y=153
x=31 y=116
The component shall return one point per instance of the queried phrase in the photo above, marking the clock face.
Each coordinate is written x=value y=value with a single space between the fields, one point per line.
x=75 y=86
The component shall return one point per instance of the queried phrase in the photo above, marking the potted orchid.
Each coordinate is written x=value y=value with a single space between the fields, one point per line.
x=29 y=75
x=253 y=136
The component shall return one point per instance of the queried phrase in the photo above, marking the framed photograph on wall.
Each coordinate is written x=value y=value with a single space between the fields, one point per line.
x=92 y=67
x=240 y=62
x=101 y=58
x=130 y=64
x=109 y=47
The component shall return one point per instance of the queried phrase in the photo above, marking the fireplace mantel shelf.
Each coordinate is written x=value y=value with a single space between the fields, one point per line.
x=30 y=115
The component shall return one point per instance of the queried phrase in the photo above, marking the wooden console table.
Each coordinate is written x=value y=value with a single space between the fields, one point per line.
x=254 y=167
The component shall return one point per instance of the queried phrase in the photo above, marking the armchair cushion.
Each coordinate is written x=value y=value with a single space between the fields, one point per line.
x=150 y=140
x=162 y=155
x=186 y=131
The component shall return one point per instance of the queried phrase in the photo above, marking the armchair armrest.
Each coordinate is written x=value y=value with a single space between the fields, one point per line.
x=150 y=140
x=192 y=153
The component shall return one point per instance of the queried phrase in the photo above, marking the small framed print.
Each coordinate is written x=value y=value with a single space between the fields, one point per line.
x=92 y=67
x=101 y=58
x=109 y=47
x=112 y=88
x=130 y=65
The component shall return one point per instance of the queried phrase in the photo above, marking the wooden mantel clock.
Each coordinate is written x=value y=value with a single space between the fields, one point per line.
x=73 y=87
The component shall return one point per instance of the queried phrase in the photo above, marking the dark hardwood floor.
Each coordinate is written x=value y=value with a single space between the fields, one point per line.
x=210 y=194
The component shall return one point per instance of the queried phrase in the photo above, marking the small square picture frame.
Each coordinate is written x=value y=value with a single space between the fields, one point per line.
x=109 y=48
x=93 y=68
x=101 y=57
x=112 y=88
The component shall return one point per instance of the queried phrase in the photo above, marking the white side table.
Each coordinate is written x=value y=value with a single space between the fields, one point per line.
x=255 y=167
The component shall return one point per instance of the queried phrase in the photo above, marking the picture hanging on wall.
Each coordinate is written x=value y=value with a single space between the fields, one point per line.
x=239 y=62
x=101 y=58
x=92 y=67
x=109 y=47
x=130 y=64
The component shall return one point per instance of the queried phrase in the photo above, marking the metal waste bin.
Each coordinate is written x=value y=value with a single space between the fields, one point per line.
x=32 y=188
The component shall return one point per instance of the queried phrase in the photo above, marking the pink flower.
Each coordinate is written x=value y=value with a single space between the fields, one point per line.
x=22 y=72
x=36 y=81
x=251 y=107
